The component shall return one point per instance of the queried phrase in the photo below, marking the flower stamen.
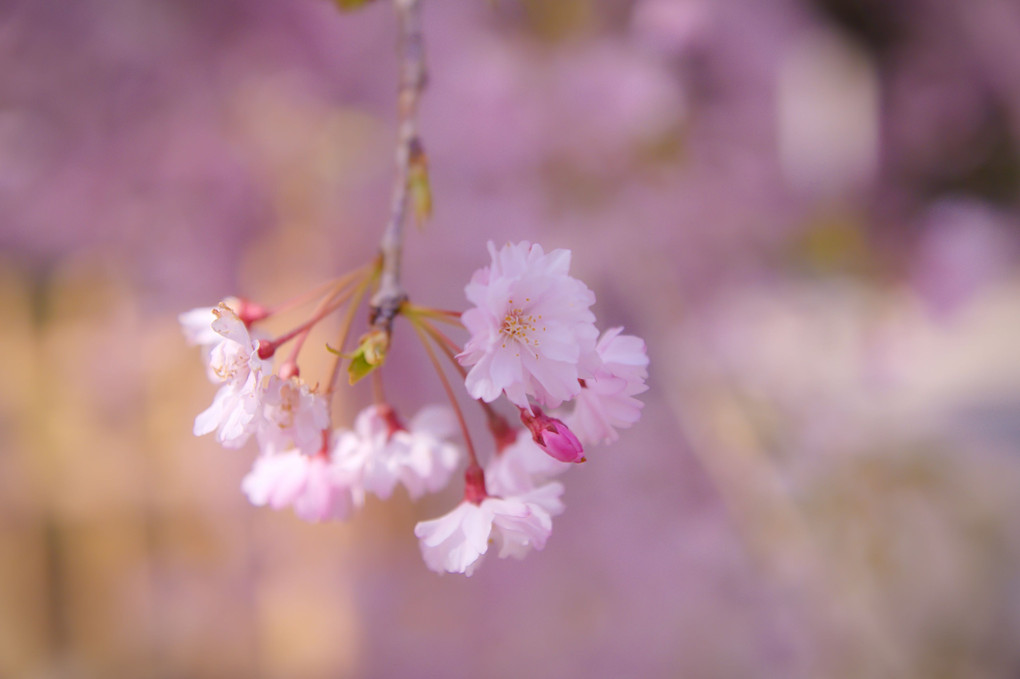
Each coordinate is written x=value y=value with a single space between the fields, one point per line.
x=518 y=326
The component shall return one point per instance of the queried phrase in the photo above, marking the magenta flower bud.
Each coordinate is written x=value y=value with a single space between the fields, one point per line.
x=552 y=436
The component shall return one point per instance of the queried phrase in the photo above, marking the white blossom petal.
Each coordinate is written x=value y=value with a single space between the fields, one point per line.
x=292 y=417
x=311 y=484
x=530 y=328
x=385 y=454
x=233 y=362
x=607 y=402
x=457 y=541
x=197 y=326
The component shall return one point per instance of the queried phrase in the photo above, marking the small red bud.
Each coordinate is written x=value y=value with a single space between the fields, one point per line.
x=266 y=349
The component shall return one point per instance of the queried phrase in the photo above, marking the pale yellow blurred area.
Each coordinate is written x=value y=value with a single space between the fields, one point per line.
x=125 y=543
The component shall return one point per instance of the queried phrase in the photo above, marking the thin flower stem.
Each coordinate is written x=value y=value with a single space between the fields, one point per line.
x=345 y=331
x=423 y=335
x=448 y=346
x=330 y=304
x=378 y=392
x=441 y=315
x=501 y=430
x=307 y=296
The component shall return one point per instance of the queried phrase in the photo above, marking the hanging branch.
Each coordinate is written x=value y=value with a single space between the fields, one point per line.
x=387 y=300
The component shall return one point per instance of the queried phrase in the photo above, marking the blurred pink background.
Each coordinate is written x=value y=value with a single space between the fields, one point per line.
x=808 y=208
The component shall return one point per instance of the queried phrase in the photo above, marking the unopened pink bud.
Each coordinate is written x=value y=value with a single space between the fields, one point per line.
x=552 y=436
x=288 y=370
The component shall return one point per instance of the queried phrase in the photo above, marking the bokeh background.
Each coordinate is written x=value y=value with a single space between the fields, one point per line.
x=808 y=208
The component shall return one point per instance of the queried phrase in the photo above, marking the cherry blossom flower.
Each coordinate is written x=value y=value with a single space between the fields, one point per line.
x=292 y=417
x=233 y=362
x=524 y=522
x=457 y=541
x=197 y=323
x=385 y=453
x=607 y=400
x=197 y=327
x=521 y=467
x=531 y=327
x=317 y=488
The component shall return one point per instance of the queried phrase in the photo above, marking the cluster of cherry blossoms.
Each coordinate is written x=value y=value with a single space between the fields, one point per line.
x=532 y=338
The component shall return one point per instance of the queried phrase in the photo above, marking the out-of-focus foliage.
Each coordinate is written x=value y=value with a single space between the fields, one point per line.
x=809 y=209
x=348 y=5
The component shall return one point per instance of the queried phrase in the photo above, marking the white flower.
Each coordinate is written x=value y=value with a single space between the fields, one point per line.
x=530 y=327
x=292 y=417
x=457 y=541
x=233 y=362
x=197 y=327
x=607 y=401
x=232 y=414
x=524 y=522
x=385 y=453
x=235 y=356
x=197 y=323
x=317 y=488
x=520 y=467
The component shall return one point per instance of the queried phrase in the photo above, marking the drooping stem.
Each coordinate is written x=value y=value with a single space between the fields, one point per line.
x=305 y=297
x=423 y=335
x=328 y=306
x=345 y=331
x=378 y=391
x=387 y=300
x=441 y=315
x=501 y=430
x=337 y=296
x=420 y=317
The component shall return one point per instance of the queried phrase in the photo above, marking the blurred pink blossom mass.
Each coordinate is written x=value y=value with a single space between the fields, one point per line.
x=807 y=210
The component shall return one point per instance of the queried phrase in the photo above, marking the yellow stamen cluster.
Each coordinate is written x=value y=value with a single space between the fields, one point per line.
x=519 y=326
x=227 y=369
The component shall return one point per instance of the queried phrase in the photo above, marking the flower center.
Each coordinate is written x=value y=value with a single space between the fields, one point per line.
x=289 y=396
x=228 y=361
x=519 y=326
